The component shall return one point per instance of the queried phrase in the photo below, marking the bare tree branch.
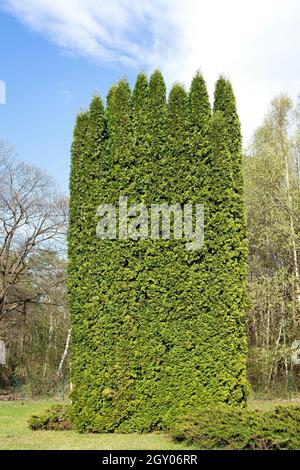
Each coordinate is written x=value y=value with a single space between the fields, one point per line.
x=33 y=220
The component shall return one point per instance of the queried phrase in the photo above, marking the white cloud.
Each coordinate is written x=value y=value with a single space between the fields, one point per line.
x=97 y=29
x=255 y=43
x=2 y=92
x=66 y=95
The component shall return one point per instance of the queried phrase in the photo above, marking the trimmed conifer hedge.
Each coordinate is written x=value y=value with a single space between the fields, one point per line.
x=158 y=331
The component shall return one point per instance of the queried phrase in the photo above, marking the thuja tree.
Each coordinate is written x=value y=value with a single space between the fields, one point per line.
x=157 y=330
x=226 y=251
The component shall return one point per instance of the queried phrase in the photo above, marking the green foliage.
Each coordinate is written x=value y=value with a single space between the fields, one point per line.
x=272 y=199
x=224 y=427
x=157 y=330
x=226 y=251
x=37 y=340
x=55 y=418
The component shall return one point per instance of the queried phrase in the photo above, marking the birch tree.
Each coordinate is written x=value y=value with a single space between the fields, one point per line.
x=272 y=197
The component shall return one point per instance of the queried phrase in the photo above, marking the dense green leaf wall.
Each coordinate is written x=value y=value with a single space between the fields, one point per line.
x=157 y=330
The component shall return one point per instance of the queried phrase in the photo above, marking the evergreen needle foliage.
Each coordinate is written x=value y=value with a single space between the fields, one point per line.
x=231 y=428
x=55 y=418
x=157 y=330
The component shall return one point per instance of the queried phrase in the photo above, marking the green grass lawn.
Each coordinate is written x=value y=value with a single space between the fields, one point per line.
x=266 y=405
x=15 y=434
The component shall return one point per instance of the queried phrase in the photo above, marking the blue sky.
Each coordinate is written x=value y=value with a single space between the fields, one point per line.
x=55 y=54
x=45 y=88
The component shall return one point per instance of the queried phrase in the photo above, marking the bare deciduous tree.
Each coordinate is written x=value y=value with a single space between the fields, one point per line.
x=33 y=219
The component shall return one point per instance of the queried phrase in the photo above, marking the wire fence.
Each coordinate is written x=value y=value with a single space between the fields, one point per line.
x=16 y=388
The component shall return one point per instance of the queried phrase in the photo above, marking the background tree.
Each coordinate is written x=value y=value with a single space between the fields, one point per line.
x=272 y=199
x=33 y=220
x=33 y=311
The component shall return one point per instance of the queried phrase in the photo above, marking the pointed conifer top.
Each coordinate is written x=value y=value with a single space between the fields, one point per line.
x=140 y=91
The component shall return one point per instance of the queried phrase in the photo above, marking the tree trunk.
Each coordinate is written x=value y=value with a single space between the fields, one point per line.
x=285 y=150
x=63 y=357
x=50 y=334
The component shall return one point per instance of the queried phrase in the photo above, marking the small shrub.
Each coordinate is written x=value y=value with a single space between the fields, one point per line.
x=55 y=418
x=225 y=427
